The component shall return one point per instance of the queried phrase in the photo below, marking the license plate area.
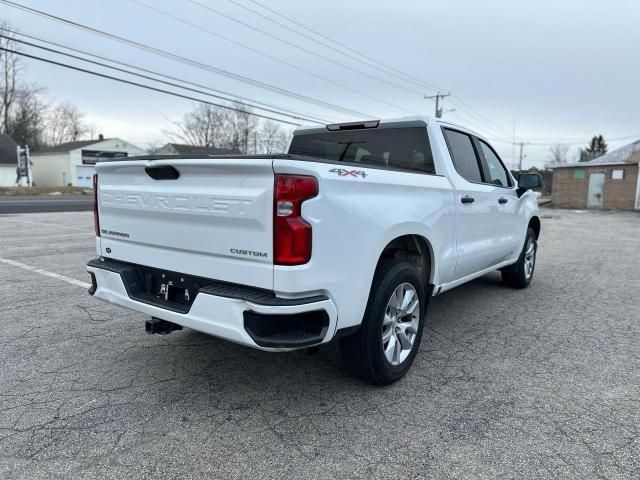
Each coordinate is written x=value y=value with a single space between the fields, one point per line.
x=170 y=287
x=166 y=289
x=177 y=291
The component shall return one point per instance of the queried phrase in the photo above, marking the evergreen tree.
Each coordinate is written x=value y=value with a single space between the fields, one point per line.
x=597 y=146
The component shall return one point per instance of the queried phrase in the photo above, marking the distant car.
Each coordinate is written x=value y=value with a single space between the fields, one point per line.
x=347 y=236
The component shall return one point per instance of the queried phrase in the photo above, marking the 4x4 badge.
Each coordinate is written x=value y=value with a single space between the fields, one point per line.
x=343 y=172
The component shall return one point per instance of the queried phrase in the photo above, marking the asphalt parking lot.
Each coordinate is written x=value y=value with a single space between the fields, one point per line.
x=539 y=383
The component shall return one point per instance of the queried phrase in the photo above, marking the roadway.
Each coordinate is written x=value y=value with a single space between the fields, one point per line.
x=43 y=204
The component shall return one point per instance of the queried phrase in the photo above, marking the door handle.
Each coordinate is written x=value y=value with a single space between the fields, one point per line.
x=502 y=201
x=467 y=199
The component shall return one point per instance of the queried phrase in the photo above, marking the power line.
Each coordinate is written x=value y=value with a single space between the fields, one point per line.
x=300 y=47
x=576 y=141
x=285 y=113
x=109 y=77
x=136 y=84
x=481 y=125
x=502 y=140
x=584 y=142
x=461 y=104
x=560 y=142
x=478 y=125
x=185 y=60
x=195 y=63
x=414 y=80
x=325 y=44
x=260 y=52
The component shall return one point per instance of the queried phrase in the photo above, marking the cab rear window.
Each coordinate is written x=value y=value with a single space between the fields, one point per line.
x=404 y=148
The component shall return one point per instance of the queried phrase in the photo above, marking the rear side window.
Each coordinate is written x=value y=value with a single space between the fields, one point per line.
x=463 y=155
x=404 y=148
x=494 y=172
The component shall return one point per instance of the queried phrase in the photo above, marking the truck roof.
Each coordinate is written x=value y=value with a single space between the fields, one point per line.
x=407 y=121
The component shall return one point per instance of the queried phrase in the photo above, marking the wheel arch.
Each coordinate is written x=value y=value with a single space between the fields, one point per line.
x=535 y=224
x=417 y=250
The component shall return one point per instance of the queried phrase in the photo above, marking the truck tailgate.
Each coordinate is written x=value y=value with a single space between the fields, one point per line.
x=215 y=220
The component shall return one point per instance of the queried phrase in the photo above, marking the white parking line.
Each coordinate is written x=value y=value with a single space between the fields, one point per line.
x=57 y=276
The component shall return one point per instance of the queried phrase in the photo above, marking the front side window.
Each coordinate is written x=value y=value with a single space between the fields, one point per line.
x=494 y=171
x=463 y=155
x=405 y=148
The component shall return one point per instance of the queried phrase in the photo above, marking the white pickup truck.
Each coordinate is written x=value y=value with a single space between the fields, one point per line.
x=348 y=235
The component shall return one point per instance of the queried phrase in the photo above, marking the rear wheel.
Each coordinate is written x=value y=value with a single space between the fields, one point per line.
x=384 y=347
x=520 y=274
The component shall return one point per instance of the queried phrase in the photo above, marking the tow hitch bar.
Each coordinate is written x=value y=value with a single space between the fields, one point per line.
x=155 y=325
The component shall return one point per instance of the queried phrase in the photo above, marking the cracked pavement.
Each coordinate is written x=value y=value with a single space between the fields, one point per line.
x=535 y=383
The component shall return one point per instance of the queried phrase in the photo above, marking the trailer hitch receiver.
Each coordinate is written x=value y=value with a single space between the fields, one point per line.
x=156 y=325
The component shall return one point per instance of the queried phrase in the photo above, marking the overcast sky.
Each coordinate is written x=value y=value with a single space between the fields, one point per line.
x=560 y=70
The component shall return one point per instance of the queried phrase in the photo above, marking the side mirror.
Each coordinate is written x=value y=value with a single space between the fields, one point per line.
x=529 y=181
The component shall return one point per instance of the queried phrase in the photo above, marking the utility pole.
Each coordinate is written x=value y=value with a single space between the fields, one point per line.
x=513 y=143
x=522 y=144
x=438 y=96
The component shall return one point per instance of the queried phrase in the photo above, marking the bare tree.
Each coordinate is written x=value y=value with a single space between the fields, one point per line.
x=237 y=128
x=26 y=124
x=10 y=66
x=65 y=124
x=558 y=153
x=272 y=137
x=75 y=122
x=153 y=146
x=203 y=126
x=91 y=130
x=24 y=113
x=55 y=125
x=242 y=126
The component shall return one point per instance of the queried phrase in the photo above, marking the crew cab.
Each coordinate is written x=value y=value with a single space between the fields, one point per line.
x=346 y=236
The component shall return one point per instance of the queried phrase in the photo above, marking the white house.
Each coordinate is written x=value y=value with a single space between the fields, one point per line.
x=73 y=163
x=183 y=149
x=8 y=161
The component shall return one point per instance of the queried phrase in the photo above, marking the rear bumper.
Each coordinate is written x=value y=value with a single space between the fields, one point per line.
x=241 y=315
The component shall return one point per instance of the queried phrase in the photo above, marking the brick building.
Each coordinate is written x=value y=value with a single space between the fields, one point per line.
x=609 y=181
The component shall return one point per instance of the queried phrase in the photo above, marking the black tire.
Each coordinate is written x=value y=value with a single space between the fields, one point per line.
x=518 y=275
x=363 y=352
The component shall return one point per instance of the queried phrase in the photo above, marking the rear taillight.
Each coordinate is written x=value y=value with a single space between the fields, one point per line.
x=96 y=218
x=291 y=233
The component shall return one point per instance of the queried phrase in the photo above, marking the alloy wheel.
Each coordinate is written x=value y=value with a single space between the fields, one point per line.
x=529 y=258
x=400 y=324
